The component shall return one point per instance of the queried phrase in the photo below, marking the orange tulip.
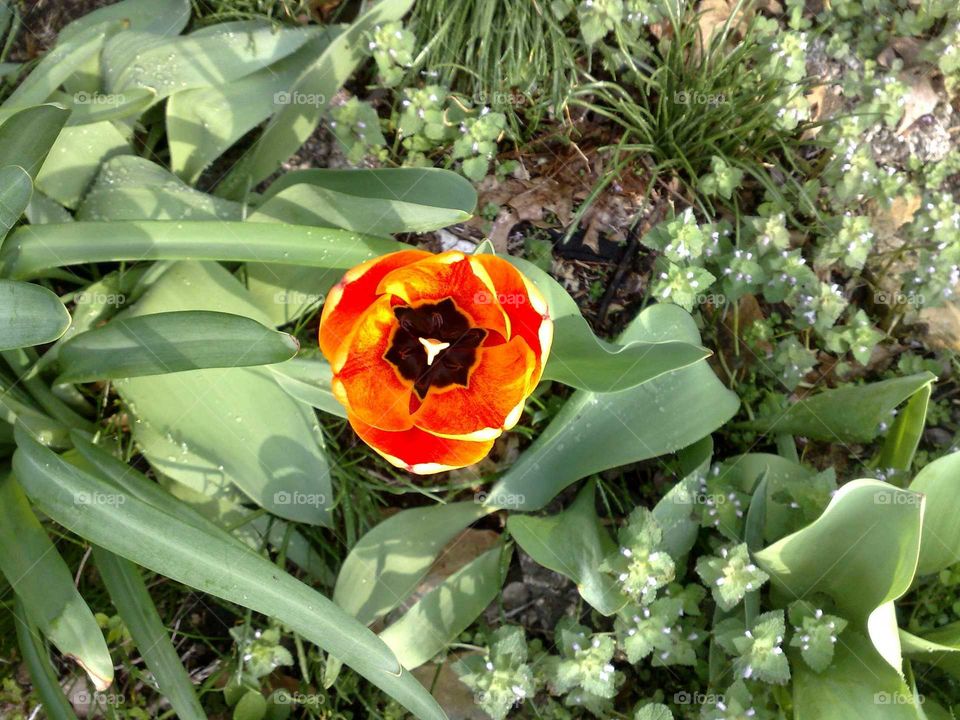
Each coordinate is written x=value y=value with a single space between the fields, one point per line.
x=433 y=356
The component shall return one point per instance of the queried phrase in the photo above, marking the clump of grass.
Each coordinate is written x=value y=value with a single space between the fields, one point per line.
x=684 y=100
x=212 y=11
x=507 y=55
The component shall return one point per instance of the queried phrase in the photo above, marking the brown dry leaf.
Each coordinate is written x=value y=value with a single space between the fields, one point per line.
x=454 y=697
x=824 y=101
x=943 y=325
x=886 y=221
x=921 y=98
x=714 y=15
x=465 y=547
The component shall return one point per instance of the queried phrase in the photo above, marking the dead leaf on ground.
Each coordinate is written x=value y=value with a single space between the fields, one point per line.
x=943 y=326
x=454 y=697
x=825 y=100
x=464 y=548
x=713 y=17
x=557 y=186
x=921 y=98
x=886 y=221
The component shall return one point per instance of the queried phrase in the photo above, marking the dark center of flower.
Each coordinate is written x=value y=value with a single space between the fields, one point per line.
x=434 y=345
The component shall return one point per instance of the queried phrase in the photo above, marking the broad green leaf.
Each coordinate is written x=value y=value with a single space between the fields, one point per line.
x=43 y=210
x=235 y=424
x=175 y=549
x=582 y=360
x=29 y=315
x=437 y=618
x=782 y=476
x=382 y=201
x=940 y=483
x=133 y=188
x=160 y=17
x=75 y=160
x=133 y=602
x=14 y=410
x=376 y=202
x=900 y=444
x=678 y=514
x=35 y=656
x=22 y=362
x=34 y=250
x=852 y=413
x=388 y=563
x=40 y=577
x=287 y=292
x=16 y=187
x=753 y=535
x=27 y=136
x=57 y=65
x=169 y=343
x=90 y=108
x=293 y=123
x=573 y=543
x=597 y=431
x=203 y=123
x=214 y=55
x=308 y=380
x=859 y=684
x=940 y=648
x=654 y=712
x=97 y=461
x=868 y=538
x=248 y=530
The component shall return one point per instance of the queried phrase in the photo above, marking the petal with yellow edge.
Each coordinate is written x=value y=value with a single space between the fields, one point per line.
x=449 y=275
x=421 y=452
x=524 y=305
x=355 y=292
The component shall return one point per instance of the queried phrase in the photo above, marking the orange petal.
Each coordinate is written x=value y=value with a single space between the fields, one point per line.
x=350 y=297
x=490 y=404
x=373 y=389
x=418 y=451
x=523 y=304
x=449 y=275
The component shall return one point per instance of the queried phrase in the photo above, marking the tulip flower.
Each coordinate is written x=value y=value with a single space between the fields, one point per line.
x=433 y=356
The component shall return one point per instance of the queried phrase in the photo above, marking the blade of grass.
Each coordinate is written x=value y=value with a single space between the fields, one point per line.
x=33 y=250
x=132 y=600
x=39 y=576
x=34 y=653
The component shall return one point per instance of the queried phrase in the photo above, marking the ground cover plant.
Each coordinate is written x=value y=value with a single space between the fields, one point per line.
x=432 y=359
